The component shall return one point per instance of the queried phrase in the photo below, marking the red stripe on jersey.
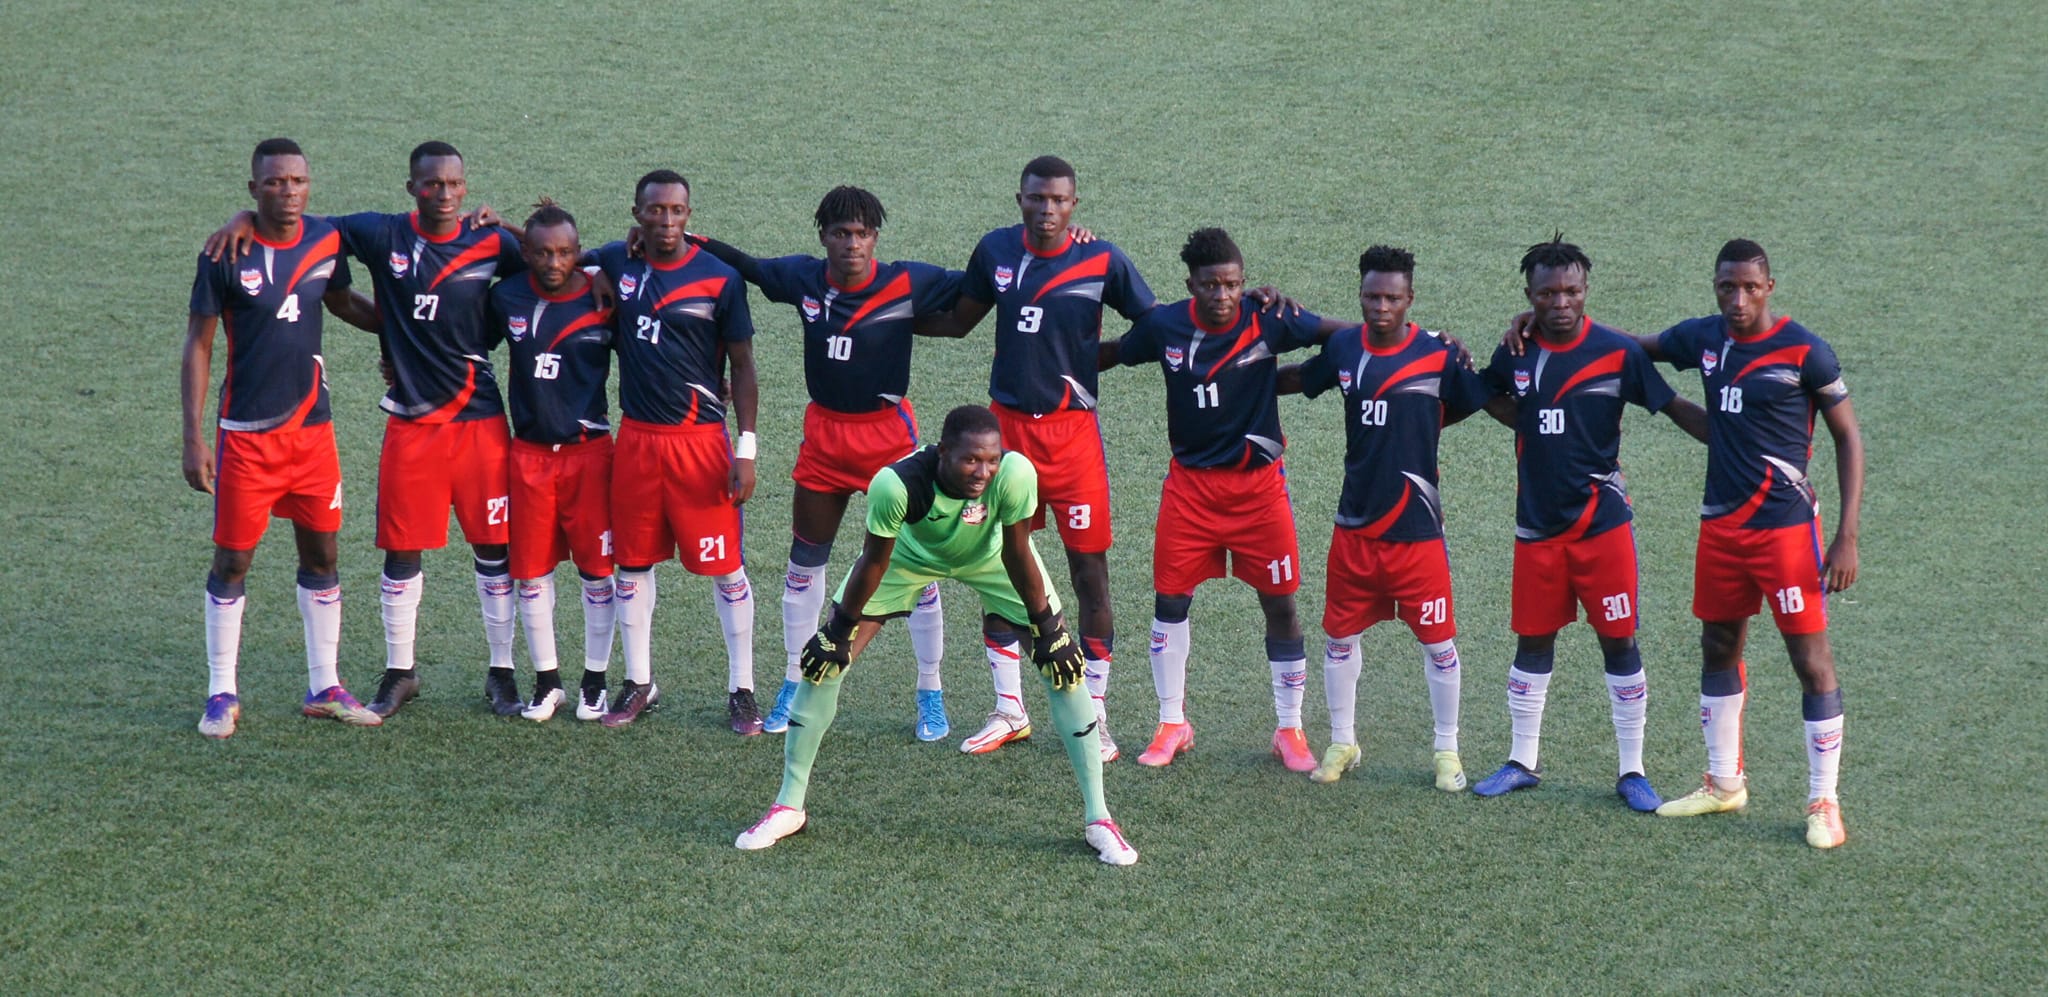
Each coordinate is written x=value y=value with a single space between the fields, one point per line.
x=897 y=290
x=298 y=419
x=1794 y=356
x=865 y=280
x=581 y=323
x=1578 y=528
x=1756 y=499
x=709 y=287
x=227 y=381
x=1609 y=364
x=454 y=407
x=1097 y=266
x=1244 y=342
x=483 y=250
x=1378 y=527
x=322 y=251
x=1416 y=368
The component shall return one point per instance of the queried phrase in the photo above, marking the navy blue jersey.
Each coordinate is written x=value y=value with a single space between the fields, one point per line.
x=1221 y=407
x=674 y=320
x=1396 y=402
x=1048 y=311
x=1568 y=428
x=269 y=306
x=1762 y=394
x=561 y=354
x=430 y=294
x=857 y=339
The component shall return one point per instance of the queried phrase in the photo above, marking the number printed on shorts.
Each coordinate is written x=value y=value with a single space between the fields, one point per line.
x=604 y=543
x=547 y=366
x=839 y=347
x=1791 y=600
x=1550 y=421
x=1080 y=517
x=494 y=510
x=289 y=310
x=1731 y=400
x=1616 y=606
x=1282 y=570
x=426 y=306
x=1372 y=412
x=1028 y=318
x=711 y=548
x=1434 y=612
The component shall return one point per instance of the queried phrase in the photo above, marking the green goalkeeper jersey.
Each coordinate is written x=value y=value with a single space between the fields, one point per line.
x=938 y=530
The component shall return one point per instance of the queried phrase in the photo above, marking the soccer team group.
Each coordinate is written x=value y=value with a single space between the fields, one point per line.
x=671 y=307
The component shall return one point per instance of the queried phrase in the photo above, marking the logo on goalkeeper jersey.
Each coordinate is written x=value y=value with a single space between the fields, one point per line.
x=1522 y=379
x=812 y=309
x=1708 y=361
x=400 y=263
x=252 y=281
x=973 y=513
x=1174 y=357
x=516 y=327
x=1003 y=277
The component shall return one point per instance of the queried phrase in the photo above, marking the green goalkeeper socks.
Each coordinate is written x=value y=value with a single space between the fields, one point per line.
x=810 y=713
x=1073 y=716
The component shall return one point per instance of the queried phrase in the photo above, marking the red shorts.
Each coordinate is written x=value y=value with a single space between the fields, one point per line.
x=1370 y=580
x=1206 y=515
x=562 y=507
x=1734 y=567
x=671 y=487
x=841 y=451
x=1553 y=578
x=293 y=474
x=427 y=467
x=1073 y=475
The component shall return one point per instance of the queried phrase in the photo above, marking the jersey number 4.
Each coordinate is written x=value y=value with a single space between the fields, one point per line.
x=289 y=310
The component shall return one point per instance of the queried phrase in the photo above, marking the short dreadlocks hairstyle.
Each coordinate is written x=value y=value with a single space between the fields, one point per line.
x=1555 y=253
x=850 y=204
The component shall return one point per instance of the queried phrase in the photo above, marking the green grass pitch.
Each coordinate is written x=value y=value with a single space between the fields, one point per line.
x=1891 y=155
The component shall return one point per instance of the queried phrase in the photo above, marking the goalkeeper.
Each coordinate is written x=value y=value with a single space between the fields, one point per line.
x=960 y=510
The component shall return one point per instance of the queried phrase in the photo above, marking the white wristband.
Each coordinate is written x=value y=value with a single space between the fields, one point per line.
x=745 y=447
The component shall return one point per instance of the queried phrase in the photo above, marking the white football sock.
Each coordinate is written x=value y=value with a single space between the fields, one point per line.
x=320 y=611
x=537 y=619
x=1170 y=669
x=803 y=599
x=1823 y=757
x=1628 y=698
x=1721 y=722
x=494 y=598
x=599 y=620
x=1340 y=687
x=1290 y=681
x=1527 y=693
x=928 y=636
x=634 y=603
x=401 y=605
x=1446 y=674
x=733 y=597
x=223 y=642
x=1003 y=667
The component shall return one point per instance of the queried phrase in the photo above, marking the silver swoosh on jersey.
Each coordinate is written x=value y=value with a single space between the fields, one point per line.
x=1271 y=447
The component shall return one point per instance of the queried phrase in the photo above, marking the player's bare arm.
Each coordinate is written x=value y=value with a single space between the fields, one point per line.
x=749 y=266
x=1287 y=379
x=354 y=307
x=234 y=239
x=1840 y=566
x=194 y=374
x=746 y=403
x=1503 y=409
x=956 y=324
x=1689 y=416
x=845 y=633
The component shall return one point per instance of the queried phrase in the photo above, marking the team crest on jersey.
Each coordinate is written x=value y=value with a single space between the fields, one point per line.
x=400 y=263
x=812 y=309
x=1174 y=357
x=1004 y=275
x=627 y=285
x=1344 y=381
x=1522 y=378
x=516 y=326
x=973 y=513
x=1708 y=361
x=252 y=281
